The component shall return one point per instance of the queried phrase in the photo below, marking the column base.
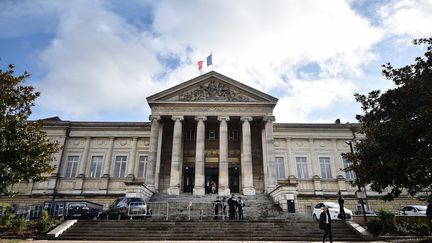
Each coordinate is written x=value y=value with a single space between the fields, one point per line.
x=224 y=191
x=250 y=191
x=198 y=191
x=173 y=190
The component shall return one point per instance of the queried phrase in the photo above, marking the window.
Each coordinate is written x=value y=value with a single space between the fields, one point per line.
x=325 y=167
x=211 y=135
x=302 y=171
x=191 y=134
x=280 y=168
x=142 y=166
x=348 y=174
x=96 y=166
x=71 y=166
x=233 y=135
x=120 y=166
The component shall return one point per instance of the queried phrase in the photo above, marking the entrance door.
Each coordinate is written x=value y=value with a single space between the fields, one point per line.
x=211 y=177
x=233 y=174
x=188 y=179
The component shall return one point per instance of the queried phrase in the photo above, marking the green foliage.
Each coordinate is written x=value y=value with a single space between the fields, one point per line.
x=374 y=227
x=25 y=151
x=397 y=151
x=19 y=225
x=44 y=223
x=388 y=220
x=6 y=219
x=412 y=229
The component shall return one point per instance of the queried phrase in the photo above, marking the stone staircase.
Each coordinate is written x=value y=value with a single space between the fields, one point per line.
x=270 y=230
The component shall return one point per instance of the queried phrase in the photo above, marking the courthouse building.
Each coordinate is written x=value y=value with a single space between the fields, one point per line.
x=210 y=129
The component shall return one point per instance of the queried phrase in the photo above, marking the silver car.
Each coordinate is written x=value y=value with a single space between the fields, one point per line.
x=413 y=210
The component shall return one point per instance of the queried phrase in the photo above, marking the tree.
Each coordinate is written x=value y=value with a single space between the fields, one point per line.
x=397 y=151
x=25 y=151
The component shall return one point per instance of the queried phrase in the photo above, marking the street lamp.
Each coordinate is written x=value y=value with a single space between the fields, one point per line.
x=359 y=194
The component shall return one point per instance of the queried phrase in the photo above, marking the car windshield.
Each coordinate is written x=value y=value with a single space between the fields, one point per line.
x=421 y=208
x=332 y=205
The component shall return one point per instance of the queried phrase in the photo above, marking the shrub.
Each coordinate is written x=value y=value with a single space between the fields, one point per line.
x=44 y=223
x=6 y=219
x=388 y=220
x=19 y=225
x=423 y=229
x=375 y=227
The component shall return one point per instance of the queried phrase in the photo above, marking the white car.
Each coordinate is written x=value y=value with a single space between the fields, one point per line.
x=333 y=210
x=413 y=210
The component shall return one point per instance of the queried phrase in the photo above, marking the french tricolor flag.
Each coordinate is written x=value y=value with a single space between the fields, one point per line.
x=209 y=61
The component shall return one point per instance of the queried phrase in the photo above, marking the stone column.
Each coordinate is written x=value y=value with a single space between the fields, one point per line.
x=153 y=149
x=246 y=161
x=223 y=156
x=131 y=164
x=200 y=156
x=84 y=161
x=174 y=188
x=271 y=163
x=107 y=166
x=108 y=159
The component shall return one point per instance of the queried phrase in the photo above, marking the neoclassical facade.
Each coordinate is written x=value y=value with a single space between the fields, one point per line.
x=211 y=130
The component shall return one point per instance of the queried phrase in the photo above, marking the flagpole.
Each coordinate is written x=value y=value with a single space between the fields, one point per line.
x=212 y=60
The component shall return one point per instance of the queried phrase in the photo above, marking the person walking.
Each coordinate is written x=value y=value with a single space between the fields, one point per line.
x=325 y=223
x=240 y=207
x=341 y=202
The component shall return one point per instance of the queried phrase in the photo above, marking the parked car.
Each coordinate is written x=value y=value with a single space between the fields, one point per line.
x=333 y=209
x=125 y=207
x=367 y=212
x=413 y=210
x=82 y=210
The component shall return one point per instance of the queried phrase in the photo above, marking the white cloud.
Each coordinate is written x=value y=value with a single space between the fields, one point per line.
x=99 y=62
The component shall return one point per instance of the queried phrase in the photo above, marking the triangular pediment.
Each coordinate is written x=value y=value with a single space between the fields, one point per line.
x=212 y=87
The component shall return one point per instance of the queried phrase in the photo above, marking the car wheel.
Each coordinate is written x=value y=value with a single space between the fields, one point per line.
x=314 y=217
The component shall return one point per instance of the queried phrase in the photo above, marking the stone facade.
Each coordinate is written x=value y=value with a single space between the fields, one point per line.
x=210 y=129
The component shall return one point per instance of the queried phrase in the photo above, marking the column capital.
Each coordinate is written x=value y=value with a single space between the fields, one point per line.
x=226 y=118
x=269 y=118
x=175 y=118
x=153 y=117
x=246 y=118
x=203 y=118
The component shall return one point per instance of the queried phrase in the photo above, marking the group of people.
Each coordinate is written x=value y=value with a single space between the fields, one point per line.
x=231 y=208
x=325 y=219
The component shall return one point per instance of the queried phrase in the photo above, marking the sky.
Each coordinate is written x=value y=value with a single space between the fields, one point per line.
x=99 y=60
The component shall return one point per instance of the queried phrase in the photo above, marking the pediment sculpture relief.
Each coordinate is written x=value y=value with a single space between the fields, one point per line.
x=212 y=91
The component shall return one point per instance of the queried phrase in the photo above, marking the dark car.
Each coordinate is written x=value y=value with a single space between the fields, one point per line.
x=126 y=207
x=82 y=210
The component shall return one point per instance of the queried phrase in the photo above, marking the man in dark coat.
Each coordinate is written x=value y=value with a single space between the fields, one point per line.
x=216 y=206
x=325 y=221
x=341 y=202
x=241 y=205
x=232 y=204
x=429 y=211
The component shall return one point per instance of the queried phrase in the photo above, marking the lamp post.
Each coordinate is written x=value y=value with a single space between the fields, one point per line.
x=359 y=195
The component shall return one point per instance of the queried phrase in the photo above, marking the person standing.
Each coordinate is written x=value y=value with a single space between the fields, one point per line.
x=241 y=205
x=213 y=186
x=341 y=202
x=325 y=221
x=216 y=206
x=232 y=204
x=224 y=207
x=429 y=211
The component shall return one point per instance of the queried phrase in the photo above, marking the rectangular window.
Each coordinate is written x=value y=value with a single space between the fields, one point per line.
x=96 y=166
x=348 y=174
x=302 y=170
x=280 y=168
x=211 y=135
x=71 y=166
x=120 y=166
x=325 y=167
x=233 y=135
x=191 y=134
x=142 y=166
